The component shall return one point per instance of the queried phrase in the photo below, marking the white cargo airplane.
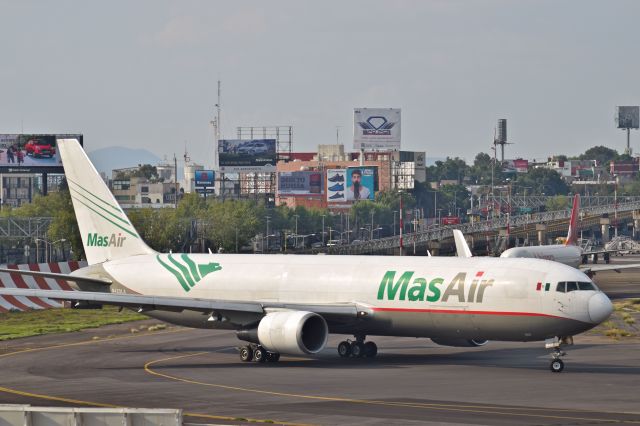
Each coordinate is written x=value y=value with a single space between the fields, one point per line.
x=289 y=304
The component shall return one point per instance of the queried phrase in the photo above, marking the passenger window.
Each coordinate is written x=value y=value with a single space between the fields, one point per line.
x=572 y=286
x=561 y=287
x=586 y=286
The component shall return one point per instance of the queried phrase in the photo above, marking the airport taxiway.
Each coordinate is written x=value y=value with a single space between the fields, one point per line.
x=412 y=381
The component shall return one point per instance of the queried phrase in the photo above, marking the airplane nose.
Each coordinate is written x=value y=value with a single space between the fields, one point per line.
x=600 y=307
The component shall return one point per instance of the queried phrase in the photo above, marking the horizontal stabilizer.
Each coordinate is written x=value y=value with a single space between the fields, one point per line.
x=66 y=277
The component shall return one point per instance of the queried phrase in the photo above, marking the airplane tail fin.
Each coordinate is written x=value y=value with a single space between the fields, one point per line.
x=462 y=248
x=572 y=235
x=106 y=231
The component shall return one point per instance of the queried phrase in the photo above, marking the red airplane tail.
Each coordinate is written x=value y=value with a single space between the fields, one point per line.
x=572 y=235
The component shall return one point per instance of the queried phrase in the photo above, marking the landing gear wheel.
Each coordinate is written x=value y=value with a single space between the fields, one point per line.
x=370 y=349
x=344 y=349
x=273 y=356
x=260 y=354
x=246 y=353
x=557 y=365
x=357 y=349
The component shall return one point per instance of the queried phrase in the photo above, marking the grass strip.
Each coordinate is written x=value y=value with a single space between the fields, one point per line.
x=14 y=325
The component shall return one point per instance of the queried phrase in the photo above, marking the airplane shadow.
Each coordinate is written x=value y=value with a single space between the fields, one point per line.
x=503 y=358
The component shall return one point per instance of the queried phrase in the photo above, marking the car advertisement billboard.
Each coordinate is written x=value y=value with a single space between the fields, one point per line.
x=242 y=155
x=376 y=129
x=32 y=153
x=361 y=183
x=300 y=183
x=336 y=185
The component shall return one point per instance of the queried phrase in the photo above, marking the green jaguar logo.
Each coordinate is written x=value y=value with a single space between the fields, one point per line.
x=186 y=271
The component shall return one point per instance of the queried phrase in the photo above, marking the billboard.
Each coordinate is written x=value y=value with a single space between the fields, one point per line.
x=242 y=155
x=205 y=178
x=362 y=183
x=335 y=185
x=376 y=129
x=300 y=183
x=628 y=117
x=32 y=153
x=516 y=166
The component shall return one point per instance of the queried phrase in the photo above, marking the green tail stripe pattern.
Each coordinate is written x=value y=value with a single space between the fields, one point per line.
x=123 y=220
x=105 y=218
x=192 y=266
x=181 y=280
x=184 y=275
x=95 y=196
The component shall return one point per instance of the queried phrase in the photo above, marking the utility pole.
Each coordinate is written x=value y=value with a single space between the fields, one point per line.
x=175 y=178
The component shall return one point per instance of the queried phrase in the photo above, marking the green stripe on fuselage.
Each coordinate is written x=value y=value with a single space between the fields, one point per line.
x=177 y=274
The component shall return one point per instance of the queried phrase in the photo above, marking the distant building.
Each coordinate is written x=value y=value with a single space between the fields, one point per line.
x=135 y=192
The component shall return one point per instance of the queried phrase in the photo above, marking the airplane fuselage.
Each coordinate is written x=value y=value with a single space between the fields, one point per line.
x=474 y=298
x=569 y=255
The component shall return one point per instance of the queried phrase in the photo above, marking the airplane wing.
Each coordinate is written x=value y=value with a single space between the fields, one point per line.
x=590 y=268
x=337 y=312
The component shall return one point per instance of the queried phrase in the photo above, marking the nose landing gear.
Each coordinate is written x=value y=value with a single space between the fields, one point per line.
x=557 y=365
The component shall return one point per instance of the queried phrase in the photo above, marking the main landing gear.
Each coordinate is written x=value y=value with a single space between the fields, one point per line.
x=357 y=349
x=557 y=365
x=257 y=353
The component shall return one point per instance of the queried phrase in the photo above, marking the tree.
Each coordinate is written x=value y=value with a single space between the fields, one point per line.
x=601 y=154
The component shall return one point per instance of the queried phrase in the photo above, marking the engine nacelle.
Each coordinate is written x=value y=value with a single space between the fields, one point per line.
x=293 y=332
x=461 y=343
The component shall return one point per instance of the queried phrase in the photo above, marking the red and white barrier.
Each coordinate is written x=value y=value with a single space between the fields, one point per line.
x=16 y=280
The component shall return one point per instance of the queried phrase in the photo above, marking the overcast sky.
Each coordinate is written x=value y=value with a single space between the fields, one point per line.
x=143 y=73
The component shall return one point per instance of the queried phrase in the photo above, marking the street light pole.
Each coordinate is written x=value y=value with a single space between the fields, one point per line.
x=394 y=222
x=323 y=229
x=371 y=237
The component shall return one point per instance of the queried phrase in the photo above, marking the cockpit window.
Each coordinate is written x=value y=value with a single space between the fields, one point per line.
x=586 y=286
x=567 y=286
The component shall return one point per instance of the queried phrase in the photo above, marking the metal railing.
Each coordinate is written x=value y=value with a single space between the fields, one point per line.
x=485 y=226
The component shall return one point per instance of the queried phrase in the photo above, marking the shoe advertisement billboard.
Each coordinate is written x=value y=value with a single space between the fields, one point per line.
x=376 y=129
x=336 y=185
x=242 y=155
x=361 y=183
x=32 y=153
x=300 y=183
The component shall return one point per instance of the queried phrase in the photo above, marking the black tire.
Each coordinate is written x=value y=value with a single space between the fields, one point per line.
x=370 y=349
x=259 y=354
x=246 y=353
x=344 y=349
x=273 y=356
x=357 y=349
x=557 y=365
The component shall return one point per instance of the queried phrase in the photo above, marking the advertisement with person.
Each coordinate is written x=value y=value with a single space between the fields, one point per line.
x=361 y=183
x=376 y=128
x=300 y=183
x=241 y=155
x=24 y=153
x=336 y=185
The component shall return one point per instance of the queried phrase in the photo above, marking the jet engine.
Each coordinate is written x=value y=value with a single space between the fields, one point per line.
x=461 y=343
x=293 y=332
